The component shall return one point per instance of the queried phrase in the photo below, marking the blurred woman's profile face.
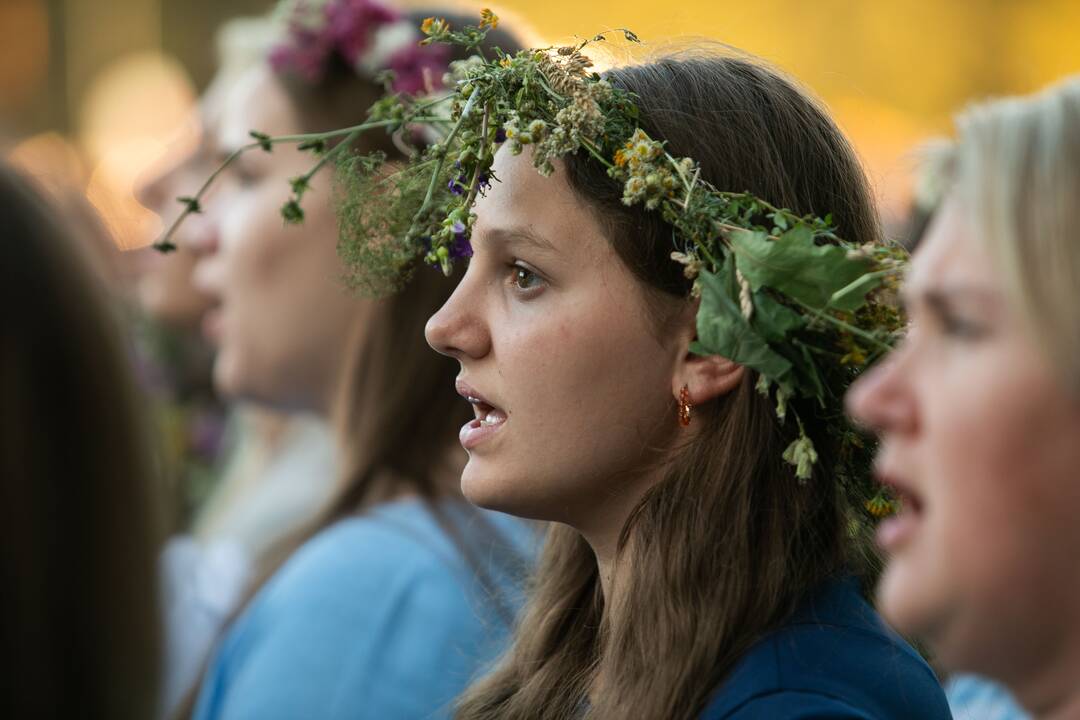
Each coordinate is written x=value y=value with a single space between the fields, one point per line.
x=282 y=318
x=163 y=282
x=981 y=440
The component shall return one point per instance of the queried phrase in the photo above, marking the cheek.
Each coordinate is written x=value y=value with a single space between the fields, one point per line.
x=591 y=392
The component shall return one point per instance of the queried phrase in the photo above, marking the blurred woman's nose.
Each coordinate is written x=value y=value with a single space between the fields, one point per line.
x=154 y=191
x=199 y=234
x=880 y=400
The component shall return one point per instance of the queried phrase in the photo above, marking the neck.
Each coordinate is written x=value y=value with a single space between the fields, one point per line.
x=608 y=515
x=1052 y=690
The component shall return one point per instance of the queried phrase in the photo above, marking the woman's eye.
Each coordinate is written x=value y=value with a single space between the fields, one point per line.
x=246 y=179
x=524 y=279
x=960 y=328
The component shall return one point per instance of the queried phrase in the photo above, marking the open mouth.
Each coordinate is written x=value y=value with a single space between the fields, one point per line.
x=488 y=417
x=486 y=413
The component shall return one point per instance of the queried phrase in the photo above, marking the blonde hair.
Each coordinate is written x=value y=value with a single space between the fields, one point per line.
x=1016 y=167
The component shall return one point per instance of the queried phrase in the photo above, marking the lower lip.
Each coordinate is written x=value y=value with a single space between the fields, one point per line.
x=475 y=432
x=211 y=326
x=896 y=531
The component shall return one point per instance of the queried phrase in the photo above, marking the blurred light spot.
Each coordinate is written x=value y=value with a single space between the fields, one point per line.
x=136 y=113
x=52 y=159
x=885 y=138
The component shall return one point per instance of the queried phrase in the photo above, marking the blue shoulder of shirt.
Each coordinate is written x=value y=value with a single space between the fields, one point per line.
x=835 y=659
x=377 y=616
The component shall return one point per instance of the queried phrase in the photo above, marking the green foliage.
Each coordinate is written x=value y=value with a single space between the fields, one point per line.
x=263 y=140
x=375 y=210
x=190 y=203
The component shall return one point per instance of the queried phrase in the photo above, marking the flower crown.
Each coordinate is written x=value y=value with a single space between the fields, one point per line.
x=780 y=294
x=369 y=37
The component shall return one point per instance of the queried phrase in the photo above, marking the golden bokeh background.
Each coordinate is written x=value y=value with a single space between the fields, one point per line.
x=93 y=93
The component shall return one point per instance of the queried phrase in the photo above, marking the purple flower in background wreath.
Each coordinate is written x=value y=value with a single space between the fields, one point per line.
x=419 y=68
x=351 y=26
x=305 y=54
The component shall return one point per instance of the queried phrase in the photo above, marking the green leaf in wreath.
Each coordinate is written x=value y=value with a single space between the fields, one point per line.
x=774 y=320
x=794 y=265
x=722 y=330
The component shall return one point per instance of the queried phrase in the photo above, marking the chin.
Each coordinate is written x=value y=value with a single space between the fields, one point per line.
x=903 y=601
x=231 y=379
x=494 y=490
x=482 y=490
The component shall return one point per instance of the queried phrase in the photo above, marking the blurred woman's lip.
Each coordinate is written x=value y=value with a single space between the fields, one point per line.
x=897 y=530
x=212 y=325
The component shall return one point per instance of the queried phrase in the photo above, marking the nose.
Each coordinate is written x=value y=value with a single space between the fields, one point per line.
x=458 y=329
x=881 y=400
x=199 y=234
x=154 y=191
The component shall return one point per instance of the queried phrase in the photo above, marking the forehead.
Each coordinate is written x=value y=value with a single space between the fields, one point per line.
x=256 y=101
x=546 y=207
x=951 y=253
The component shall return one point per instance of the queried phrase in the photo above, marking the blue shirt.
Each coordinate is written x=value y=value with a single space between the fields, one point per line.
x=378 y=617
x=976 y=698
x=834 y=660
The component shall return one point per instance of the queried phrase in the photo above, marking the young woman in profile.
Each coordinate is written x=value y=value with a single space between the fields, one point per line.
x=689 y=573
x=977 y=411
x=399 y=590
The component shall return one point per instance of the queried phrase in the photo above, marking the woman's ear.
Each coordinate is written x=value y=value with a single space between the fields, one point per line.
x=705 y=376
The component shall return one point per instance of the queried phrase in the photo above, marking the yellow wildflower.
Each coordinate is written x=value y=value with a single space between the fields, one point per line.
x=488 y=19
x=880 y=507
x=425 y=26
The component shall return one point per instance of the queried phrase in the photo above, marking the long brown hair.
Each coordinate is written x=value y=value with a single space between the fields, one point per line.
x=725 y=547
x=399 y=424
x=80 y=531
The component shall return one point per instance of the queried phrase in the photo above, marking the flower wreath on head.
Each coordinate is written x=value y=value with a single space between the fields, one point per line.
x=779 y=293
x=367 y=36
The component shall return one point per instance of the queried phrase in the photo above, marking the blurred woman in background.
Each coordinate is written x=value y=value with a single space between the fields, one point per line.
x=979 y=410
x=272 y=470
x=388 y=603
x=78 y=491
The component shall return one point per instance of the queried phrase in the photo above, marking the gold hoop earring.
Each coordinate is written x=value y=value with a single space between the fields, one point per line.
x=684 y=406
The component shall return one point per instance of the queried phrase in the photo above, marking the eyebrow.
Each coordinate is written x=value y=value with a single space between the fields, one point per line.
x=940 y=298
x=518 y=235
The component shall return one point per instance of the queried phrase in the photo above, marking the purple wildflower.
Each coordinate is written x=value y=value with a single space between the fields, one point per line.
x=461 y=248
x=500 y=135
